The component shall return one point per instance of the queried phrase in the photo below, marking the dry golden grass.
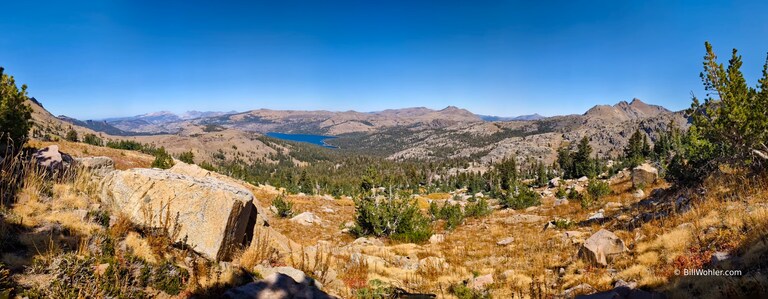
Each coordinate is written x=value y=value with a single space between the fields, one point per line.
x=140 y=247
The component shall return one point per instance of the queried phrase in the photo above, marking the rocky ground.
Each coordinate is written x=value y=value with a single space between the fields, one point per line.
x=111 y=227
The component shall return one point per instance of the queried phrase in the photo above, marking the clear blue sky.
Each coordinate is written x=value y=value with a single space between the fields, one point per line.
x=117 y=58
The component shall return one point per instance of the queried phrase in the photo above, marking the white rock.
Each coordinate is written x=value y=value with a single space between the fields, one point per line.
x=307 y=218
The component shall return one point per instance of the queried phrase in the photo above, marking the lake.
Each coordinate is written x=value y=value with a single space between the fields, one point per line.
x=313 y=139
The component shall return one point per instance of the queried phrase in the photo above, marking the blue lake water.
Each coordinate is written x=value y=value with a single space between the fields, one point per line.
x=313 y=139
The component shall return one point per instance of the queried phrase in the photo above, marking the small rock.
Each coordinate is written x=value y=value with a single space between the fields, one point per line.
x=368 y=241
x=505 y=241
x=719 y=256
x=327 y=210
x=621 y=283
x=437 y=238
x=598 y=215
x=583 y=288
x=600 y=247
x=294 y=273
x=434 y=262
x=644 y=174
x=613 y=205
x=523 y=218
x=276 y=285
x=480 y=282
x=682 y=204
x=583 y=179
x=101 y=269
x=507 y=274
x=560 y=202
x=554 y=183
x=81 y=214
x=639 y=193
x=307 y=218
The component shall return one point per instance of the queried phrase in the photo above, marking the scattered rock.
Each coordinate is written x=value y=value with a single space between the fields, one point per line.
x=719 y=256
x=327 y=210
x=437 y=238
x=277 y=286
x=639 y=193
x=583 y=179
x=613 y=205
x=52 y=160
x=508 y=274
x=596 y=216
x=99 y=166
x=307 y=218
x=368 y=241
x=523 y=218
x=146 y=196
x=583 y=288
x=621 y=283
x=644 y=175
x=433 y=262
x=295 y=274
x=554 y=183
x=599 y=248
x=560 y=202
x=480 y=282
x=101 y=269
x=505 y=241
x=682 y=204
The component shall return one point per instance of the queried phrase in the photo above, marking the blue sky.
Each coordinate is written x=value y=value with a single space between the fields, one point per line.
x=118 y=58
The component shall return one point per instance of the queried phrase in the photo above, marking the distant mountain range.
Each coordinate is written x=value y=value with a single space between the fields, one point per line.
x=410 y=133
x=534 y=116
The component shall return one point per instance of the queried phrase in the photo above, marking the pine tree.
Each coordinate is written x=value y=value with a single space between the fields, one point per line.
x=582 y=160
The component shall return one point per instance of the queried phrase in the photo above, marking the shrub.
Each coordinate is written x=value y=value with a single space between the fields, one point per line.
x=163 y=160
x=92 y=139
x=477 y=209
x=170 y=278
x=597 y=189
x=560 y=193
x=399 y=219
x=451 y=214
x=187 y=157
x=6 y=282
x=563 y=223
x=523 y=198
x=15 y=116
x=71 y=135
x=461 y=291
x=207 y=166
x=283 y=206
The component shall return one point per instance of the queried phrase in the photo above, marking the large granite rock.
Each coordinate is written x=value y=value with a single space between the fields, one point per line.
x=212 y=216
x=277 y=286
x=644 y=175
x=600 y=247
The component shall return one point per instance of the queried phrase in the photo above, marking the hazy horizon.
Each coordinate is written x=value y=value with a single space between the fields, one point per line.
x=96 y=60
